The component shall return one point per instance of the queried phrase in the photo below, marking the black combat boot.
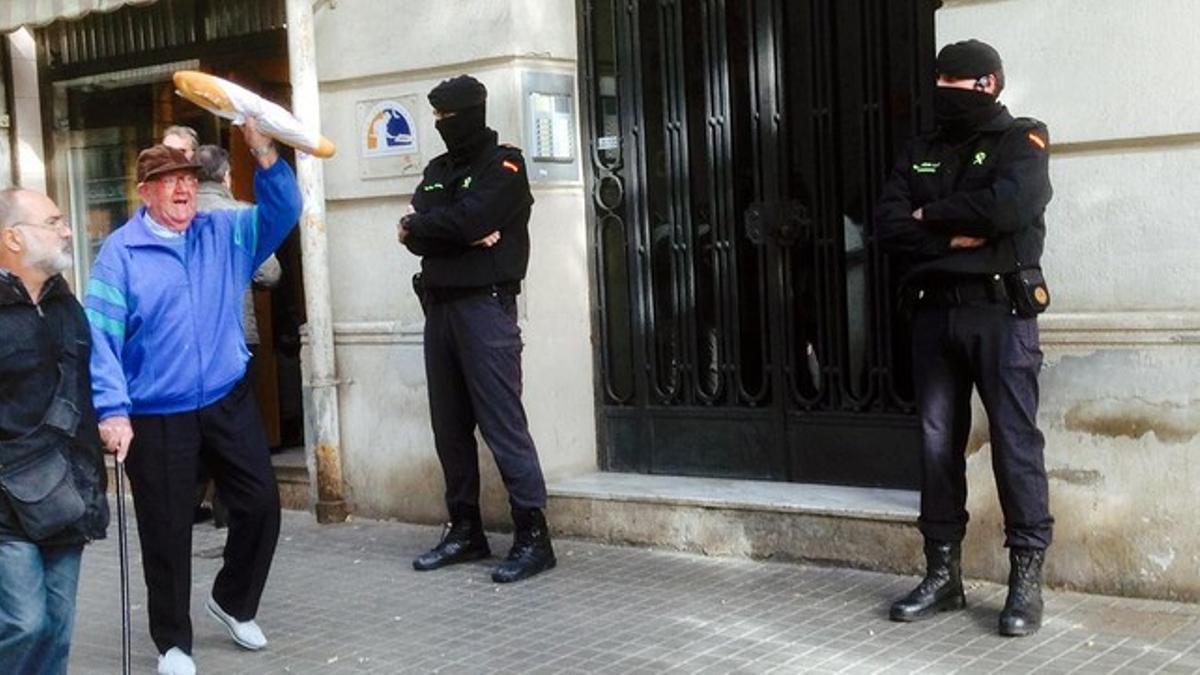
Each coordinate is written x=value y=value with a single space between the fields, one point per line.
x=463 y=540
x=941 y=590
x=531 y=551
x=1022 y=614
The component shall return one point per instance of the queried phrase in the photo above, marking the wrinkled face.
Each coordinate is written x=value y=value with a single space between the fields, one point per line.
x=171 y=198
x=44 y=235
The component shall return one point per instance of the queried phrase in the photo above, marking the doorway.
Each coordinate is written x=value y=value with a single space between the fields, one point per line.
x=744 y=311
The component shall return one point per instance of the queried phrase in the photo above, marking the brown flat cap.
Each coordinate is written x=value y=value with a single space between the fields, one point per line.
x=160 y=159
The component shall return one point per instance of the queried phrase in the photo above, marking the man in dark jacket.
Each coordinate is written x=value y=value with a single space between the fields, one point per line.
x=963 y=209
x=52 y=477
x=470 y=225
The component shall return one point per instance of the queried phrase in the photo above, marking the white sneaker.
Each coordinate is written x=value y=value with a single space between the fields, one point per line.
x=176 y=662
x=246 y=634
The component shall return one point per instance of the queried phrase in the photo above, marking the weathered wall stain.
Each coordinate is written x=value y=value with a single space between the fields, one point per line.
x=329 y=466
x=1124 y=547
x=1134 y=418
x=1076 y=476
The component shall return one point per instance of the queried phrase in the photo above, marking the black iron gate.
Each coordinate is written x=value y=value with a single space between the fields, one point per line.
x=744 y=310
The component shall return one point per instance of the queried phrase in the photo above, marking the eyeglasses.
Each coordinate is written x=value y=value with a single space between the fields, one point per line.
x=56 y=224
x=172 y=180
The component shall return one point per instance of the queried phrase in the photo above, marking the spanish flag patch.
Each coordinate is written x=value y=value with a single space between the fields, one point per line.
x=511 y=166
x=1037 y=140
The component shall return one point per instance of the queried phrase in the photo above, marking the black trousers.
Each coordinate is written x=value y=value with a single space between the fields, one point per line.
x=983 y=345
x=219 y=514
x=228 y=438
x=473 y=367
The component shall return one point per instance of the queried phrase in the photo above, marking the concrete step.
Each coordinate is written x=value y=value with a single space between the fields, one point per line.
x=860 y=527
x=291 y=473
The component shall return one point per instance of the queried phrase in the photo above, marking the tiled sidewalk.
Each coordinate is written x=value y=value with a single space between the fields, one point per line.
x=343 y=599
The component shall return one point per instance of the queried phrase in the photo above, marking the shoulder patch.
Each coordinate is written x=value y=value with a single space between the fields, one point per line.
x=1037 y=140
x=511 y=166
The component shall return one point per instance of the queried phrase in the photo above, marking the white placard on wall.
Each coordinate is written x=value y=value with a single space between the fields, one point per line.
x=388 y=143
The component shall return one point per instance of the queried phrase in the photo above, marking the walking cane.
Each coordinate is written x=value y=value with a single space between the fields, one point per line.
x=123 y=548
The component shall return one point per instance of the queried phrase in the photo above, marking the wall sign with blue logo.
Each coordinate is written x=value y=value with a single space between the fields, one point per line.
x=387 y=137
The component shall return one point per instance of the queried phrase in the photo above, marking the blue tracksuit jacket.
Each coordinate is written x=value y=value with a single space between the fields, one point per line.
x=166 y=320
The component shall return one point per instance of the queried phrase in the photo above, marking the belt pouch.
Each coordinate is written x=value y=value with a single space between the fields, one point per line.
x=1028 y=291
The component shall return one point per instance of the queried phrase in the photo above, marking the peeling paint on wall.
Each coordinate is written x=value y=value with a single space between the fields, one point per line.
x=1134 y=418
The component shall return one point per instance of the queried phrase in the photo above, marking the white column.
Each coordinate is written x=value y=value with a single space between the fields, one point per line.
x=322 y=431
x=26 y=113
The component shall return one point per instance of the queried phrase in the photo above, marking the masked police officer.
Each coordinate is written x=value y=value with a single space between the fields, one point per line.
x=964 y=210
x=470 y=225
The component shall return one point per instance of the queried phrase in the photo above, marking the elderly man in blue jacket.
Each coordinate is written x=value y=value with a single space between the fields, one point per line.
x=168 y=378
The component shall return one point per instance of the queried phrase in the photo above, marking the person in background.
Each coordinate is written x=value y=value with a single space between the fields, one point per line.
x=182 y=138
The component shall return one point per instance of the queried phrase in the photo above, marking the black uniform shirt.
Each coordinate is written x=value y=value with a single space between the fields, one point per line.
x=459 y=203
x=993 y=184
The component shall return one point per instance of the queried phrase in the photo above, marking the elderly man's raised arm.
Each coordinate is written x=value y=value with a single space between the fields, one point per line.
x=263 y=228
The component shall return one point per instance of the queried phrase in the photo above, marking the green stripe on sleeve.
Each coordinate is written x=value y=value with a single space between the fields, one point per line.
x=106 y=323
x=237 y=230
x=254 y=230
x=242 y=228
x=107 y=293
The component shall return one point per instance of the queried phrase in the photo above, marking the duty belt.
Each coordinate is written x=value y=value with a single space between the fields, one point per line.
x=452 y=293
x=962 y=292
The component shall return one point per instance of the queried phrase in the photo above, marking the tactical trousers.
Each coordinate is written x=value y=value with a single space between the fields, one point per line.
x=985 y=345
x=473 y=367
x=228 y=438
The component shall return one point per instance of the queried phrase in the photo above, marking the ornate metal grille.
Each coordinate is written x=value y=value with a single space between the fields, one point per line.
x=745 y=311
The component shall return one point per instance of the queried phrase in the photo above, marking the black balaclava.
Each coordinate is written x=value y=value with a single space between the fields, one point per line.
x=959 y=112
x=466 y=132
